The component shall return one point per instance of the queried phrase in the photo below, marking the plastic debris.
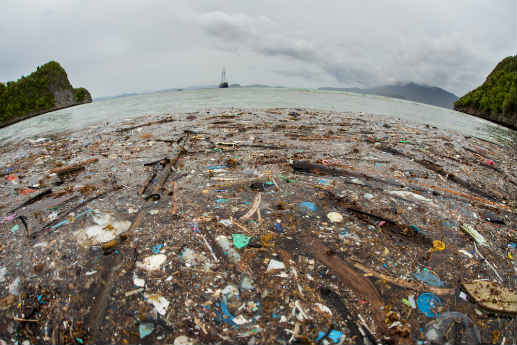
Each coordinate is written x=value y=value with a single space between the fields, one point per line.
x=192 y=258
x=335 y=217
x=474 y=234
x=438 y=245
x=145 y=329
x=15 y=228
x=14 y=287
x=139 y=282
x=452 y=328
x=98 y=234
x=427 y=303
x=183 y=340
x=3 y=273
x=492 y=296
x=309 y=205
x=152 y=263
x=225 y=245
x=240 y=240
x=8 y=218
x=160 y=303
x=333 y=335
x=429 y=278
x=157 y=248
x=409 y=195
x=275 y=265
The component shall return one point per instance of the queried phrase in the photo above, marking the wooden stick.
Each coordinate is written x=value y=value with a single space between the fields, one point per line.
x=72 y=167
x=361 y=286
x=240 y=226
x=402 y=283
x=253 y=209
x=174 y=210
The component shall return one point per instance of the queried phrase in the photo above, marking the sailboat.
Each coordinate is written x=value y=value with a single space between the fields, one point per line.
x=224 y=83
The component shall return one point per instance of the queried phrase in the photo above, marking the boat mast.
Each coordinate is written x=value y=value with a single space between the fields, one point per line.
x=223 y=76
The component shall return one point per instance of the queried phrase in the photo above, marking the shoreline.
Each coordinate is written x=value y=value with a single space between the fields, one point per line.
x=38 y=113
x=150 y=206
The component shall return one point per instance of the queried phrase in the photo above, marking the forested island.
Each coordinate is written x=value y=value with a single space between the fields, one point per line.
x=46 y=89
x=496 y=99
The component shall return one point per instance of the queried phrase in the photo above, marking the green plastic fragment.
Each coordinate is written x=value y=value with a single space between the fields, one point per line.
x=240 y=240
x=15 y=228
x=285 y=178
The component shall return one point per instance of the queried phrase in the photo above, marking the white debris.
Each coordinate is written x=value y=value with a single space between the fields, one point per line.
x=160 y=303
x=3 y=272
x=183 y=340
x=474 y=234
x=335 y=217
x=275 y=265
x=409 y=195
x=106 y=229
x=139 y=282
x=152 y=262
x=228 y=249
x=230 y=291
x=321 y=308
x=240 y=320
x=14 y=287
x=192 y=258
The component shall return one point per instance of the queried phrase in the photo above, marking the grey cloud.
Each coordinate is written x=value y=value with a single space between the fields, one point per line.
x=125 y=45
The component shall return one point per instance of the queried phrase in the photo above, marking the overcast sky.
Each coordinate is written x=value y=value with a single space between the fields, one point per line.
x=117 y=46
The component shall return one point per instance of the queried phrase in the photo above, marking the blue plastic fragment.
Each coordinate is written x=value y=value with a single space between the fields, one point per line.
x=40 y=299
x=279 y=227
x=324 y=182
x=414 y=227
x=309 y=205
x=217 y=167
x=513 y=245
x=448 y=223
x=227 y=316
x=145 y=329
x=334 y=335
x=221 y=201
x=63 y=222
x=427 y=277
x=427 y=302
x=157 y=248
x=80 y=340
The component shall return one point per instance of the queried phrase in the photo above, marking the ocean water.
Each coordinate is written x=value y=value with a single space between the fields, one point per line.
x=118 y=109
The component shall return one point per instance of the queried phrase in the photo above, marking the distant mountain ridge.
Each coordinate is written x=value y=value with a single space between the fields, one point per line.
x=409 y=91
x=496 y=99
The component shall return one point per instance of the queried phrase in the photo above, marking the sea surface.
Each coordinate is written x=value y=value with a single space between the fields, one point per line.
x=115 y=110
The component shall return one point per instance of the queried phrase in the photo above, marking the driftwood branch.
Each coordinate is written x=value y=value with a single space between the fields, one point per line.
x=72 y=167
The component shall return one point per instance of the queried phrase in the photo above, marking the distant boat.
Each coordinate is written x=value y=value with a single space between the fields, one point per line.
x=224 y=83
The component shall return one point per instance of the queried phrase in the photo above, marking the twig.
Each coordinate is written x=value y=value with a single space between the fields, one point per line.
x=253 y=209
x=72 y=167
x=174 y=210
x=240 y=226
x=402 y=283
x=24 y=320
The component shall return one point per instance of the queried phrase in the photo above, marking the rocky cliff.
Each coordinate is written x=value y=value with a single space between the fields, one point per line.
x=496 y=99
x=44 y=90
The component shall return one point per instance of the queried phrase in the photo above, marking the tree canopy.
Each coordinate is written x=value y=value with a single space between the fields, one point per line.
x=497 y=95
